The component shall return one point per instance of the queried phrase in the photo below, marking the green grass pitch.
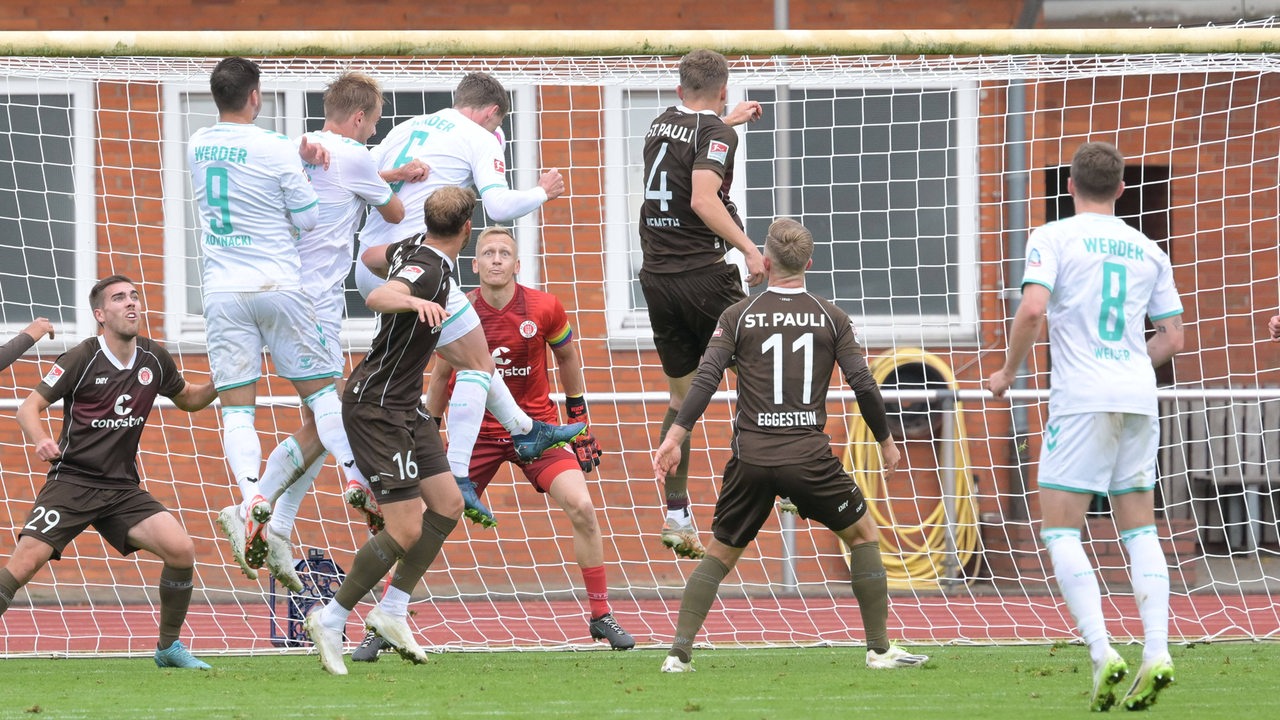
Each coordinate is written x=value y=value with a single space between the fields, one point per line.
x=1217 y=680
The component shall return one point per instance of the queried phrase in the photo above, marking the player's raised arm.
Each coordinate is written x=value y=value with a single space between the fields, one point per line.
x=706 y=202
x=438 y=387
x=24 y=340
x=195 y=397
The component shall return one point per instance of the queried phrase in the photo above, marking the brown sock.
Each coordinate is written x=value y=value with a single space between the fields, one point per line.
x=372 y=562
x=416 y=560
x=871 y=588
x=175 y=598
x=699 y=593
x=9 y=586
x=677 y=484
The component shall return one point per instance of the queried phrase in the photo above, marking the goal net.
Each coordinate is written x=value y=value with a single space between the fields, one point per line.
x=920 y=169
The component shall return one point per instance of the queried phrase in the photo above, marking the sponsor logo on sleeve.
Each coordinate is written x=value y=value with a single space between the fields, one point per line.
x=718 y=333
x=499 y=166
x=52 y=376
x=410 y=273
x=1033 y=258
x=717 y=151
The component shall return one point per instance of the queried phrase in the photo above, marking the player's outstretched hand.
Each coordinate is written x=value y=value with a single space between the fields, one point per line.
x=890 y=456
x=39 y=328
x=1274 y=327
x=413 y=171
x=665 y=459
x=429 y=312
x=313 y=153
x=552 y=182
x=746 y=111
x=584 y=446
x=587 y=450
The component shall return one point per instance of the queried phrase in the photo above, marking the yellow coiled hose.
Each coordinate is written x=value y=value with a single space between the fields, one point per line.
x=922 y=557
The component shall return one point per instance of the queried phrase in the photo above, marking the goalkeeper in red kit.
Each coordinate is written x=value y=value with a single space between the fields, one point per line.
x=520 y=323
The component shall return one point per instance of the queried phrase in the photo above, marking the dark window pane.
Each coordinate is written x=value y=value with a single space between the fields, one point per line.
x=37 y=209
x=872 y=175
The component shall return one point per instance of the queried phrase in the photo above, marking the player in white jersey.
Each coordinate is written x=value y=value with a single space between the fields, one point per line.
x=254 y=198
x=461 y=147
x=346 y=187
x=1097 y=279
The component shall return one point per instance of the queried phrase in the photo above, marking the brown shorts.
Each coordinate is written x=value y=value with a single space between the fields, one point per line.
x=489 y=454
x=819 y=487
x=683 y=311
x=64 y=509
x=394 y=449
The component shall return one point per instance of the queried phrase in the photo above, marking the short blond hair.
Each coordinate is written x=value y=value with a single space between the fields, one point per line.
x=789 y=245
x=495 y=230
x=350 y=93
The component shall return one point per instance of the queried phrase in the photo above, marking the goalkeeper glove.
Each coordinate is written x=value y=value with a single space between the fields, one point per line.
x=584 y=446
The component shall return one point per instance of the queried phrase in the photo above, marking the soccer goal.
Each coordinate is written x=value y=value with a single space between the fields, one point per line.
x=920 y=161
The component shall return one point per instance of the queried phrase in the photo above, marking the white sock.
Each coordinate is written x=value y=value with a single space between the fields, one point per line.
x=504 y=407
x=243 y=449
x=285 y=511
x=1079 y=587
x=395 y=602
x=334 y=616
x=1149 y=572
x=466 y=412
x=327 y=408
x=681 y=516
x=283 y=464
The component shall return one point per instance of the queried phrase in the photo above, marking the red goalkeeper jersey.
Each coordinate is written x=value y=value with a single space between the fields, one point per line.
x=518 y=337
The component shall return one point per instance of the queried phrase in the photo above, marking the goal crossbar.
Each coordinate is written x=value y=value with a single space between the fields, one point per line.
x=367 y=43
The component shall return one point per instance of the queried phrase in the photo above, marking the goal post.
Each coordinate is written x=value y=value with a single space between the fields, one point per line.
x=920 y=159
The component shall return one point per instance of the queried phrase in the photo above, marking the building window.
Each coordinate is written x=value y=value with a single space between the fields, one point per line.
x=293 y=111
x=47 y=239
x=885 y=178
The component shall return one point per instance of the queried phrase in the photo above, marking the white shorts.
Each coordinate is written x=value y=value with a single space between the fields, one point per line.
x=1104 y=453
x=330 y=308
x=239 y=325
x=462 y=317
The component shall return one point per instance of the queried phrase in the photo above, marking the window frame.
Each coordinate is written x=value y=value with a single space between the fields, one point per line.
x=83 y=106
x=628 y=326
x=186 y=330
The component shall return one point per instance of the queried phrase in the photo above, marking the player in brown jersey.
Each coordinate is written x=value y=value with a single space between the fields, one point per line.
x=108 y=385
x=396 y=444
x=786 y=342
x=687 y=224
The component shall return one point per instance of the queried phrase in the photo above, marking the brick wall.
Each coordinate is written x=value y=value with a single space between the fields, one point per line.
x=1209 y=215
x=188 y=15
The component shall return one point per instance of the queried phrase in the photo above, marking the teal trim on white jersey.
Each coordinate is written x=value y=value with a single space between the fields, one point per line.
x=244 y=177
x=345 y=189
x=1105 y=278
x=459 y=152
